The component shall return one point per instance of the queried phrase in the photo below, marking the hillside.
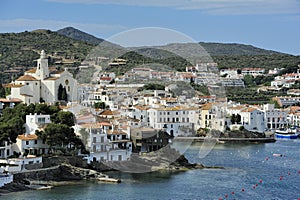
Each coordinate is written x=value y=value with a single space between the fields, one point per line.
x=79 y=35
x=18 y=51
x=230 y=49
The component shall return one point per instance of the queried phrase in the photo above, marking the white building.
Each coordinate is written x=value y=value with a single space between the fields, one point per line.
x=29 y=143
x=274 y=118
x=253 y=71
x=175 y=120
x=106 y=144
x=39 y=84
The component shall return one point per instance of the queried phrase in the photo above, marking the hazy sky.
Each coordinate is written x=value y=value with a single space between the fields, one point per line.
x=269 y=24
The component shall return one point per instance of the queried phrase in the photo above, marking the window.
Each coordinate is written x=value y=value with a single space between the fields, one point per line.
x=41 y=120
x=27 y=142
x=35 y=141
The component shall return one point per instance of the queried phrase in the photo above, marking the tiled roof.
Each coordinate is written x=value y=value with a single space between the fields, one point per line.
x=28 y=137
x=13 y=100
x=33 y=70
x=106 y=112
x=26 y=78
x=248 y=110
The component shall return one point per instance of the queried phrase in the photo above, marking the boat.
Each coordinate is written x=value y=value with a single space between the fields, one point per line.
x=110 y=180
x=287 y=133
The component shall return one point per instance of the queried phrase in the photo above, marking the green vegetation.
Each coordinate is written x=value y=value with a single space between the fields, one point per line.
x=153 y=86
x=12 y=120
x=135 y=59
x=235 y=118
x=59 y=134
x=22 y=49
x=2 y=91
x=221 y=49
x=249 y=95
x=201 y=88
x=267 y=62
x=99 y=105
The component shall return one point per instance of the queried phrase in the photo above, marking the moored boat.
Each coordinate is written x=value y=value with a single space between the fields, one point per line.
x=287 y=133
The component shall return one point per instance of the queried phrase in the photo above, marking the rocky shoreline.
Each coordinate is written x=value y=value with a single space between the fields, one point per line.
x=74 y=169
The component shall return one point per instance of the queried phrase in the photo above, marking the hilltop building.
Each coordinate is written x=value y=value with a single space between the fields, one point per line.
x=39 y=84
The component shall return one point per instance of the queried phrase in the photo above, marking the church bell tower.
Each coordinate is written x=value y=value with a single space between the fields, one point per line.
x=42 y=70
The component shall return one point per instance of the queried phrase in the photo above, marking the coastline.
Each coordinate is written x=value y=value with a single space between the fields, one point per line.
x=166 y=159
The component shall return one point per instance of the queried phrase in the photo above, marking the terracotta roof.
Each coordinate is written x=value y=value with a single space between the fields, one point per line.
x=26 y=78
x=13 y=100
x=51 y=78
x=105 y=78
x=28 y=137
x=33 y=70
x=116 y=132
x=141 y=107
x=207 y=106
x=237 y=107
x=106 y=112
x=105 y=124
x=248 y=110
x=15 y=85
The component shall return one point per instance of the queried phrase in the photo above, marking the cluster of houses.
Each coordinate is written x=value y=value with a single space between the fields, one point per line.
x=133 y=121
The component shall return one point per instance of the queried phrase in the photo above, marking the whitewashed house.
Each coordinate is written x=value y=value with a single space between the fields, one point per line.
x=29 y=143
x=274 y=118
x=106 y=144
x=175 y=121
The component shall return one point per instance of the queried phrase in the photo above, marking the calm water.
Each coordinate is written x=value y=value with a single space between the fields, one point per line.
x=246 y=166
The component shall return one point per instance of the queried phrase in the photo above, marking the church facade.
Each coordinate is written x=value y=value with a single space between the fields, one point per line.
x=41 y=85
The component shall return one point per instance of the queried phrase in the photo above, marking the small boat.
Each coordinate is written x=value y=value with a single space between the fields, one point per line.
x=277 y=155
x=110 y=180
x=287 y=133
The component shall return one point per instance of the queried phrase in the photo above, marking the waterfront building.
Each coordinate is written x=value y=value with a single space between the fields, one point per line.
x=105 y=142
x=146 y=139
x=177 y=120
x=275 y=118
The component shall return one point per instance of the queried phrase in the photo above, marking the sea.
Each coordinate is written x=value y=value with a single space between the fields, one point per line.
x=251 y=171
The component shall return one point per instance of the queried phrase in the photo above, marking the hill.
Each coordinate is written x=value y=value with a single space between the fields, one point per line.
x=79 y=35
x=18 y=51
x=230 y=49
x=70 y=46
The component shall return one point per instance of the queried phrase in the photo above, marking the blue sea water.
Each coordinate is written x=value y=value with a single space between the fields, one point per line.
x=251 y=172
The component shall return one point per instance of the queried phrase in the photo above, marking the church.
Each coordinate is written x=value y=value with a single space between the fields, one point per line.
x=41 y=85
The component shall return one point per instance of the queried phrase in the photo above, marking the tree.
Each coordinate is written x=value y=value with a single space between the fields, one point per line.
x=60 y=136
x=249 y=80
x=60 y=91
x=235 y=118
x=63 y=117
x=2 y=91
x=99 y=104
x=64 y=95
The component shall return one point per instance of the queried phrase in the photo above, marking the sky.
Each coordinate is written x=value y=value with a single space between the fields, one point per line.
x=268 y=24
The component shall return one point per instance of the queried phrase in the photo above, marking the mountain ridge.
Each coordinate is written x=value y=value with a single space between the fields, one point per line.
x=79 y=35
